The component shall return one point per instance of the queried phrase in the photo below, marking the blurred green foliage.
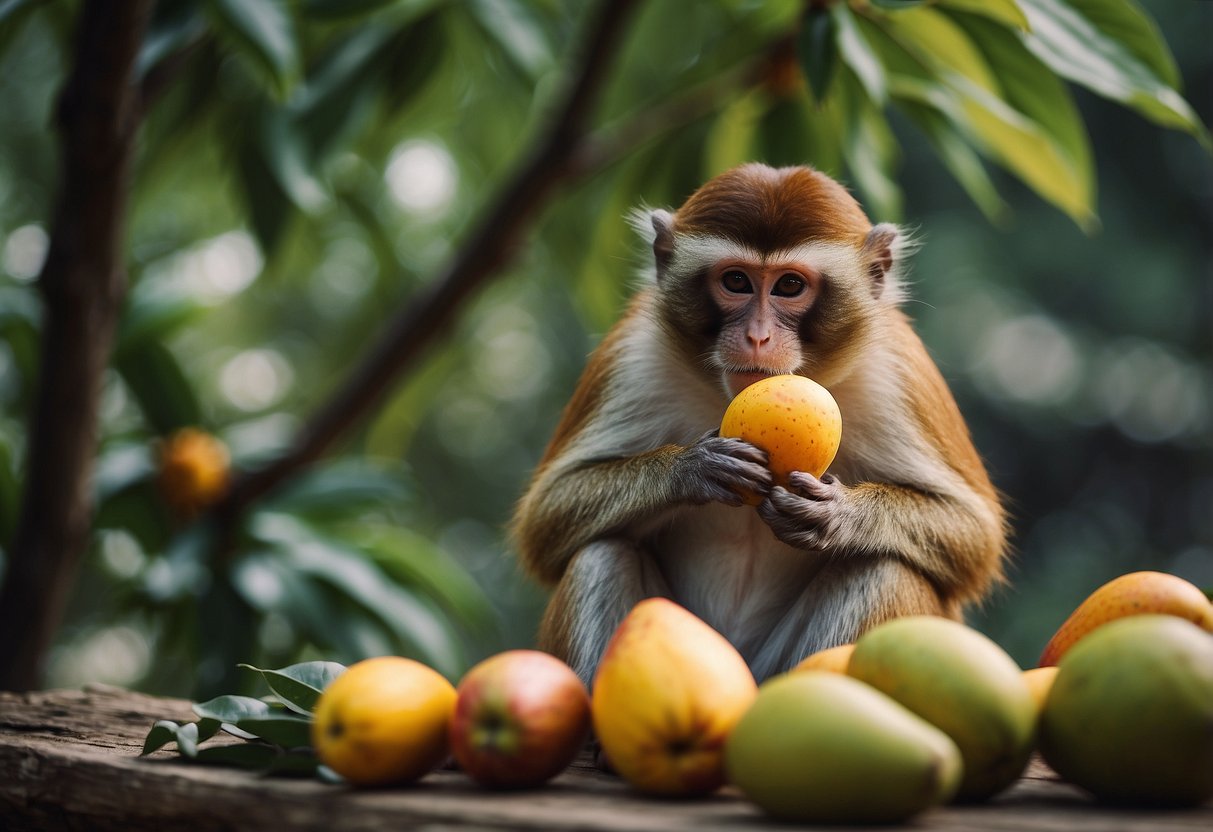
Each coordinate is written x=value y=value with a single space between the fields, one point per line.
x=307 y=166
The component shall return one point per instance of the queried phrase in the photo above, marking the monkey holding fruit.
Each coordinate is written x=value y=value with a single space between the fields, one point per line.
x=761 y=272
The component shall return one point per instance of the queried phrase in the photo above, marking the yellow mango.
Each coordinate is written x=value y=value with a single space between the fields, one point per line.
x=1132 y=594
x=668 y=691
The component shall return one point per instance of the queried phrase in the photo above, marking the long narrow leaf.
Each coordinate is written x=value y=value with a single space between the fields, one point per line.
x=1075 y=48
x=858 y=54
x=264 y=30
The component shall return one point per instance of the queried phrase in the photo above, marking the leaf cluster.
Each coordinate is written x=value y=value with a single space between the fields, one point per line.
x=276 y=729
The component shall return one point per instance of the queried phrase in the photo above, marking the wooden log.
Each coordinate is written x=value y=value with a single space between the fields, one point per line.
x=70 y=760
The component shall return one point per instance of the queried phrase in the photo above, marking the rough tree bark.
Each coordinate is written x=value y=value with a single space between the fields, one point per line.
x=83 y=283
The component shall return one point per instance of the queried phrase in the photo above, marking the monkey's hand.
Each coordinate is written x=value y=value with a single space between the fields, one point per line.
x=718 y=469
x=812 y=514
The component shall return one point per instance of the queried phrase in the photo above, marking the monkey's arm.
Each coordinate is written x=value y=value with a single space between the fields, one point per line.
x=572 y=504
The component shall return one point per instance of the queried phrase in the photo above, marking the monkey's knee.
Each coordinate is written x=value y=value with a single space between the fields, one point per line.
x=600 y=586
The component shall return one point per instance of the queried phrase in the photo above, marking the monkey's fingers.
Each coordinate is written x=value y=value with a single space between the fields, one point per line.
x=738 y=448
x=813 y=488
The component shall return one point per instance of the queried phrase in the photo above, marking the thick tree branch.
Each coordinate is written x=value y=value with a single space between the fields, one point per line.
x=482 y=255
x=82 y=283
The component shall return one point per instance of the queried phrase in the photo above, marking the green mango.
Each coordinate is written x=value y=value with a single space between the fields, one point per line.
x=821 y=747
x=962 y=683
x=1130 y=715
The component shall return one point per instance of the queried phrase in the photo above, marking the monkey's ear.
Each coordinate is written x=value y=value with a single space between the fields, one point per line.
x=663 y=241
x=878 y=251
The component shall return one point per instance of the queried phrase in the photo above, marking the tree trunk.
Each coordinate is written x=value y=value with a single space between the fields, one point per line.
x=83 y=284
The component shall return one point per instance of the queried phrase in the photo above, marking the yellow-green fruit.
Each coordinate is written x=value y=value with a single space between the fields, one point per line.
x=821 y=747
x=383 y=721
x=962 y=683
x=1130 y=715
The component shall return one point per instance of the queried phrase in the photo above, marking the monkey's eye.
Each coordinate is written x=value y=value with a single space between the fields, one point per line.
x=736 y=282
x=789 y=286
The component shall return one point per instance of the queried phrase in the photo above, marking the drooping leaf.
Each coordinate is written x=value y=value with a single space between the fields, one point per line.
x=858 y=54
x=961 y=160
x=871 y=152
x=286 y=157
x=299 y=686
x=1078 y=50
x=938 y=42
x=1006 y=12
x=817 y=49
x=1125 y=22
x=264 y=31
x=158 y=383
x=1029 y=87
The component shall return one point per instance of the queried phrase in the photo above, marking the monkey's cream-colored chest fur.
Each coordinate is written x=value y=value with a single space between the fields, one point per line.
x=725 y=565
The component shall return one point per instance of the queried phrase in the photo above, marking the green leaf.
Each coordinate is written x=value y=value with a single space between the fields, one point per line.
x=286 y=157
x=248 y=755
x=286 y=730
x=1078 y=50
x=413 y=622
x=153 y=316
x=299 y=686
x=338 y=488
x=871 y=152
x=896 y=5
x=817 y=50
x=416 y=561
x=858 y=54
x=160 y=386
x=514 y=28
x=1125 y=22
x=1006 y=12
x=268 y=205
x=262 y=29
x=187 y=735
x=961 y=160
x=1032 y=89
x=731 y=138
x=232 y=709
x=938 y=42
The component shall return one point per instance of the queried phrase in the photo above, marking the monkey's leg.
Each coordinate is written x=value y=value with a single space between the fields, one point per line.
x=849 y=596
x=600 y=586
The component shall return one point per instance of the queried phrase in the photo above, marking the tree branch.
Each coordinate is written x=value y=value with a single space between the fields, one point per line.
x=483 y=254
x=83 y=283
x=567 y=152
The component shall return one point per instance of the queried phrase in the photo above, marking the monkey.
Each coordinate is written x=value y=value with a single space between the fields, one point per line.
x=761 y=271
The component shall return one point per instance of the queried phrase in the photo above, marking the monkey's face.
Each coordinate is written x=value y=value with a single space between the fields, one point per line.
x=766 y=271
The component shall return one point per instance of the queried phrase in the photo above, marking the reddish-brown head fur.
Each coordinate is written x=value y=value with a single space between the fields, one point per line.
x=770 y=209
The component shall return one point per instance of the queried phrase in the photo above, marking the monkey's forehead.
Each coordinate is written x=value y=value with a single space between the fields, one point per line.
x=769 y=209
x=695 y=252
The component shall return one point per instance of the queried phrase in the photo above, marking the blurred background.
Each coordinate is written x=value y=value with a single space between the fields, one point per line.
x=313 y=165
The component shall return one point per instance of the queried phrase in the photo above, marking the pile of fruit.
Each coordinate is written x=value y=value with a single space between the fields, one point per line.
x=920 y=711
